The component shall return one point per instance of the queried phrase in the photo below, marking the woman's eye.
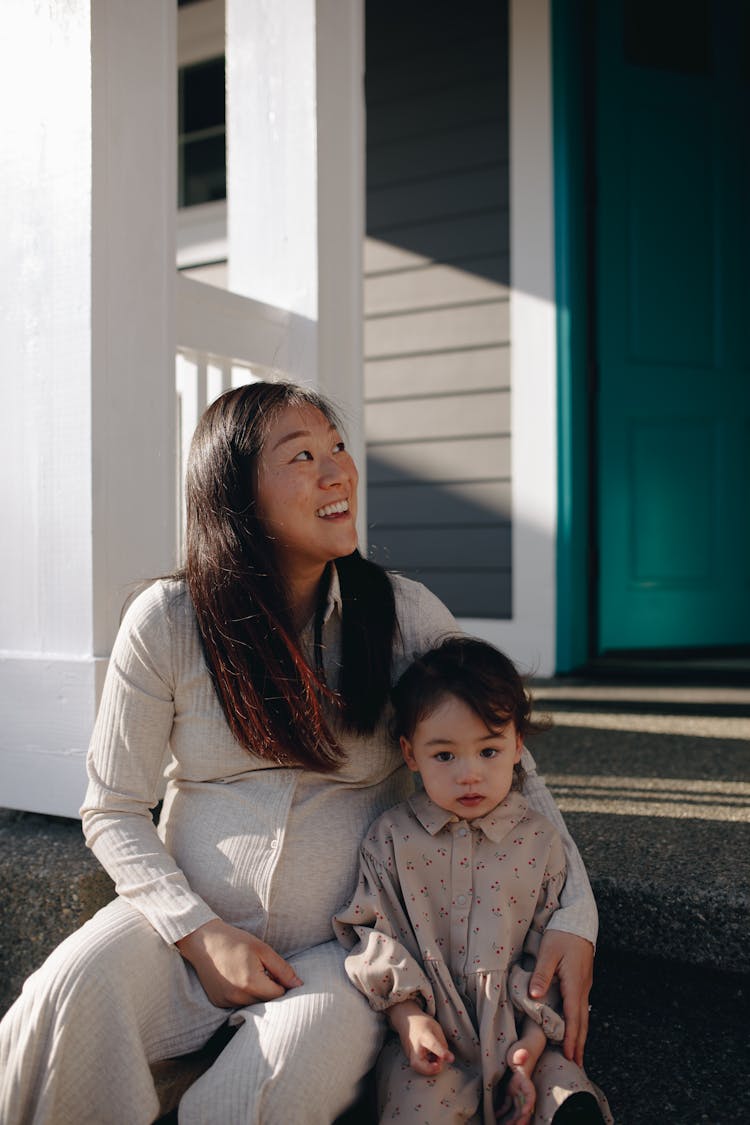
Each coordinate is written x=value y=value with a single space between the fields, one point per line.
x=444 y=756
x=303 y=455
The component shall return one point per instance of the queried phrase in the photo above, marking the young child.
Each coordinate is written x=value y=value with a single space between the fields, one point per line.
x=456 y=887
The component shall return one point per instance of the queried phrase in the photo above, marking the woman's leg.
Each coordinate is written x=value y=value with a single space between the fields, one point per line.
x=296 y=1059
x=76 y=1045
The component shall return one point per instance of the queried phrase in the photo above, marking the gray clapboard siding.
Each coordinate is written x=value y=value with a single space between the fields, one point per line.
x=438 y=461
x=437 y=333
x=422 y=505
x=481 y=369
x=480 y=414
x=444 y=108
x=435 y=330
x=468 y=593
x=403 y=245
x=439 y=196
x=430 y=155
x=400 y=548
x=473 y=279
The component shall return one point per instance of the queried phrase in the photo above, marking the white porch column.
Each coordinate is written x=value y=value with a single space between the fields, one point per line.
x=295 y=141
x=87 y=410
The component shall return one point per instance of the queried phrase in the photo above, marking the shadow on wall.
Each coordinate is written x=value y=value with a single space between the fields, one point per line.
x=437 y=356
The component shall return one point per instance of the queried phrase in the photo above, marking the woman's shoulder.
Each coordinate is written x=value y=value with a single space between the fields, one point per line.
x=158 y=608
x=423 y=619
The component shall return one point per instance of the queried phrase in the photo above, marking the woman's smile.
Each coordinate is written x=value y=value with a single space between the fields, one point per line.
x=307 y=492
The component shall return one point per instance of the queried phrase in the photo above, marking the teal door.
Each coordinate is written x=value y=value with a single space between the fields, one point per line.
x=672 y=265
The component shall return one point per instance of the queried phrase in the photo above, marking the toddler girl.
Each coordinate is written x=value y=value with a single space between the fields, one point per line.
x=456 y=887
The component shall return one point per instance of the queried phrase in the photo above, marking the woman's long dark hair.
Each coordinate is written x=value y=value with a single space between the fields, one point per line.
x=276 y=705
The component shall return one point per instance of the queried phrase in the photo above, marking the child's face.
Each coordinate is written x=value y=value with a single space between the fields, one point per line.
x=466 y=767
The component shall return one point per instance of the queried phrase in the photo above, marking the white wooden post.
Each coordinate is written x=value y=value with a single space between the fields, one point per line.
x=530 y=634
x=295 y=139
x=87 y=416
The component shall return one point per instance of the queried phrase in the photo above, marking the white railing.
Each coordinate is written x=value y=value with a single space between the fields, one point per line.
x=224 y=341
x=199 y=379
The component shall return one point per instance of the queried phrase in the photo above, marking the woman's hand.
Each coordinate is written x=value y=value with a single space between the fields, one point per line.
x=422 y=1038
x=571 y=959
x=234 y=967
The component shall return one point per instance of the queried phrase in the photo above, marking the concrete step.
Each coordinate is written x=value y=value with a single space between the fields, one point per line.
x=654 y=783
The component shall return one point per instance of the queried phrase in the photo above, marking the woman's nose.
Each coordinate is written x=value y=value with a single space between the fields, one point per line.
x=330 y=473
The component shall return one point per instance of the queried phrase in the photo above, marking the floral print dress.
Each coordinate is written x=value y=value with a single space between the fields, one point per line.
x=451 y=912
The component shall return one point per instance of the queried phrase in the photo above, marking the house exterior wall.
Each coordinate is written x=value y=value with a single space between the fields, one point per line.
x=437 y=325
x=460 y=365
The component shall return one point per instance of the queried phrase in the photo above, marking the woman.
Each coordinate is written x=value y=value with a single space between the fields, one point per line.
x=257 y=679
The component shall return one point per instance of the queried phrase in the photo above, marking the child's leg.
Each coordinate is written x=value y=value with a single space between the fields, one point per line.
x=76 y=1045
x=452 y=1097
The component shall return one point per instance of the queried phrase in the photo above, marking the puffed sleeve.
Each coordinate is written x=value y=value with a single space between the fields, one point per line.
x=383 y=963
x=126 y=760
x=546 y=1011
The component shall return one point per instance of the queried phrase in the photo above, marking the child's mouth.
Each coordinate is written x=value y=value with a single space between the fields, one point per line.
x=471 y=799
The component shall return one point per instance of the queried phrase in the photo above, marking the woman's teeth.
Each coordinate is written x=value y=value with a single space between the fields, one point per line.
x=333 y=509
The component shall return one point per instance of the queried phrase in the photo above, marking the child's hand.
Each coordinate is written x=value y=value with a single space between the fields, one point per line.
x=521 y=1059
x=518 y=1107
x=422 y=1038
x=425 y=1045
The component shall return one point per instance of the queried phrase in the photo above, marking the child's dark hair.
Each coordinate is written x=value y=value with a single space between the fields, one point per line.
x=476 y=673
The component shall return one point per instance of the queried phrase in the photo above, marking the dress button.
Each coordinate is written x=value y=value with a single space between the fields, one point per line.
x=274 y=843
x=462 y=831
x=461 y=900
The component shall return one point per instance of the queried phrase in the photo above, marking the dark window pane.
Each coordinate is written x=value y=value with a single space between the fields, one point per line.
x=201 y=96
x=202 y=171
x=669 y=35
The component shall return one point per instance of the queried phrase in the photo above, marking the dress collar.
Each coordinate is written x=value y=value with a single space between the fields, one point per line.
x=333 y=600
x=495 y=824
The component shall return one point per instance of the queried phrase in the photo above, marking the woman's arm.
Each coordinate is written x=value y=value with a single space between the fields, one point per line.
x=127 y=755
x=567 y=947
x=234 y=967
x=577 y=913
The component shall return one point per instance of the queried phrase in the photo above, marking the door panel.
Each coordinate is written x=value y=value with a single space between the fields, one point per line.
x=672 y=249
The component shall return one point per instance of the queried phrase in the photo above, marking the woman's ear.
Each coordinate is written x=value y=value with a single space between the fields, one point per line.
x=406 y=750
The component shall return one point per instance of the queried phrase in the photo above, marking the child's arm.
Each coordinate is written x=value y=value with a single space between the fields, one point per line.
x=422 y=1038
x=384 y=960
x=520 y=1093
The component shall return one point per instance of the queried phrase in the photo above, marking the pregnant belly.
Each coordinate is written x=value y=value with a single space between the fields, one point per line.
x=277 y=861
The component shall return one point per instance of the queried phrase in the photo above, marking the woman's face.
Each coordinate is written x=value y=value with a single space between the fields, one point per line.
x=306 y=492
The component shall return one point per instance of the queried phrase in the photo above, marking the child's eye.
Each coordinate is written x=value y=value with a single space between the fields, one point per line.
x=303 y=455
x=339 y=447
x=488 y=752
x=444 y=756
